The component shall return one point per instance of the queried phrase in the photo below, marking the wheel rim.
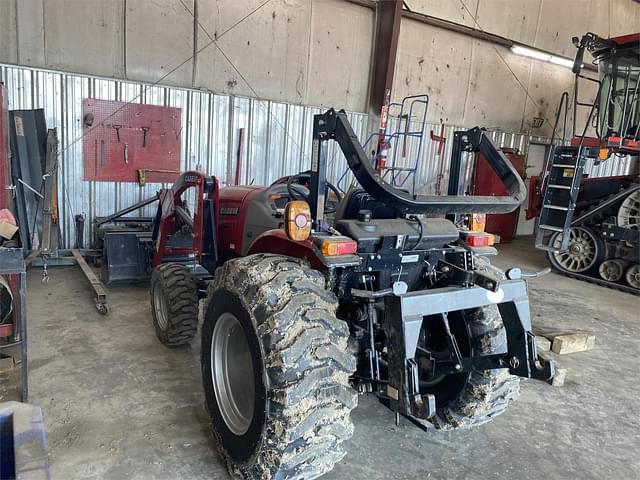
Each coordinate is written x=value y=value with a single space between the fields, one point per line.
x=582 y=253
x=629 y=212
x=633 y=276
x=160 y=306
x=611 y=270
x=446 y=388
x=232 y=373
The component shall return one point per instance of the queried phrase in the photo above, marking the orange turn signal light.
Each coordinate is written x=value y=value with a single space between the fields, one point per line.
x=297 y=215
x=477 y=222
x=603 y=154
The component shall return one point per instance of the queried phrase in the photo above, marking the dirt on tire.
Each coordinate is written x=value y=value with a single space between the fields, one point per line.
x=305 y=365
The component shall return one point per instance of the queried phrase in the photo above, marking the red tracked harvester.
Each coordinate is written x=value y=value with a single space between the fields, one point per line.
x=590 y=226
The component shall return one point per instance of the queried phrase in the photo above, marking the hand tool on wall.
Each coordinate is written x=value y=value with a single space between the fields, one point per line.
x=144 y=136
x=117 y=128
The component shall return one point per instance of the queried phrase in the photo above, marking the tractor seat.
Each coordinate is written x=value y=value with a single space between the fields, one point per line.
x=357 y=199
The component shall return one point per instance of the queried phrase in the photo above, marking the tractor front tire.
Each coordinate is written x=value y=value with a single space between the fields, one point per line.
x=275 y=369
x=174 y=304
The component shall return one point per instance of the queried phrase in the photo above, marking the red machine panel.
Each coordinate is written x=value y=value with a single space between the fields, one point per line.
x=486 y=182
x=233 y=215
x=128 y=142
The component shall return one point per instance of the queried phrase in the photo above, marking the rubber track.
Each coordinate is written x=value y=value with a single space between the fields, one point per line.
x=486 y=394
x=307 y=363
x=591 y=221
x=599 y=281
x=182 y=304
x=599 y=211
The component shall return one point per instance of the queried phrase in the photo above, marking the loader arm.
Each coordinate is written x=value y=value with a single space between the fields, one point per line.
x=335 y=125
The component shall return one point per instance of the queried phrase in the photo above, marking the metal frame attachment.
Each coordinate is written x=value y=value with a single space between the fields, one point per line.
x=406 y=313
x=334 y=125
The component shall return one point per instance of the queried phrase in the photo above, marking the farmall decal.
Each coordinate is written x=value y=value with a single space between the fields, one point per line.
x=229 y=210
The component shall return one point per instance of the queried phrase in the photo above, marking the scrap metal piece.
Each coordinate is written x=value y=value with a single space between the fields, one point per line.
x=101 y=294
x=49 y=242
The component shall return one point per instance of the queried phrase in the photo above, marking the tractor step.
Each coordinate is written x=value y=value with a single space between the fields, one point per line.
x=550 y=227
x=556 y=207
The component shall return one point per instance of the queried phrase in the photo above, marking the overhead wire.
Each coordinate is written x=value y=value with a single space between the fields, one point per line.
x=144 y=90
x=169 y=73
x=515 y=76
x=243 y=78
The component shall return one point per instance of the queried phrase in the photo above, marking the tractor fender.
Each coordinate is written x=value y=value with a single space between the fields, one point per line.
x=276 y=241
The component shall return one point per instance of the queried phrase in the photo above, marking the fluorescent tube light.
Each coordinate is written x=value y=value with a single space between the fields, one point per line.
x=540 y=55
x=565 y=62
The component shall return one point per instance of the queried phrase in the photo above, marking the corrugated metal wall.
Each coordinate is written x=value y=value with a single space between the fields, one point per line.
x=277 y=136
x=277 y=140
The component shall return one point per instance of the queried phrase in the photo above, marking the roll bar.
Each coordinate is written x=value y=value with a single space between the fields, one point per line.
x=334 y=125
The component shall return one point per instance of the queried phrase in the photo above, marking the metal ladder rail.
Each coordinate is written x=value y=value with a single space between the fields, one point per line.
x=564 y=102
x=394 y=172
x=579 y=160
x=347 y=169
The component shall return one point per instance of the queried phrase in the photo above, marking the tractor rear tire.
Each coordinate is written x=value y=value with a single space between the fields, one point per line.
x=486 y=394
x=174 y=304
x=275 y=369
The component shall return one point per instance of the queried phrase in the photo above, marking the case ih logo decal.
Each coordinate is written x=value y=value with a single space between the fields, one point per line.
x=191 y=179
x=229 y=210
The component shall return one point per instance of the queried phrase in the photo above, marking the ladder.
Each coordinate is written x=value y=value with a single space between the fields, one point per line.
x=560 y=194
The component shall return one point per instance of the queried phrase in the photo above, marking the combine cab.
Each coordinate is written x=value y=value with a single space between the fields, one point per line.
x=589 y=226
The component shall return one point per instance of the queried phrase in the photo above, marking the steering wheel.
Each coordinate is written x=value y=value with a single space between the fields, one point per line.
x=296 y=193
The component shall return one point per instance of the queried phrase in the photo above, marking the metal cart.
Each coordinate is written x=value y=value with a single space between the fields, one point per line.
x=12 y=263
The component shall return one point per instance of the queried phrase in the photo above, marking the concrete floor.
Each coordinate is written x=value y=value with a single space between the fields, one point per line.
x=118 y=405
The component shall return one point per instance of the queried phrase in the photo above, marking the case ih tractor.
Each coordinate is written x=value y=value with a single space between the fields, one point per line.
x=590 y=227
x=308 y=304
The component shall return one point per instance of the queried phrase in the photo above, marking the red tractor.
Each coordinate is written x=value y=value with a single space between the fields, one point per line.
x=311 y=297
x=590 y=226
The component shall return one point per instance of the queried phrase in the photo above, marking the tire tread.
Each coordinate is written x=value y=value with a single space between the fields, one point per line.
x=307 y=365
x=486 y=394
x=182 y=304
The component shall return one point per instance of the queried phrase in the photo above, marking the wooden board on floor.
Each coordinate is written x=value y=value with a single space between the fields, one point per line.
x=563 y=342
x=573 y=342
x=543 y=344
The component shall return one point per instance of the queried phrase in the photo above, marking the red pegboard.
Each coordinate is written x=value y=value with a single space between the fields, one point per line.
x=116 y=147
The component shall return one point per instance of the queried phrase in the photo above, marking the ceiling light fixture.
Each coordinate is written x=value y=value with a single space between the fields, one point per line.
x=540 y=55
